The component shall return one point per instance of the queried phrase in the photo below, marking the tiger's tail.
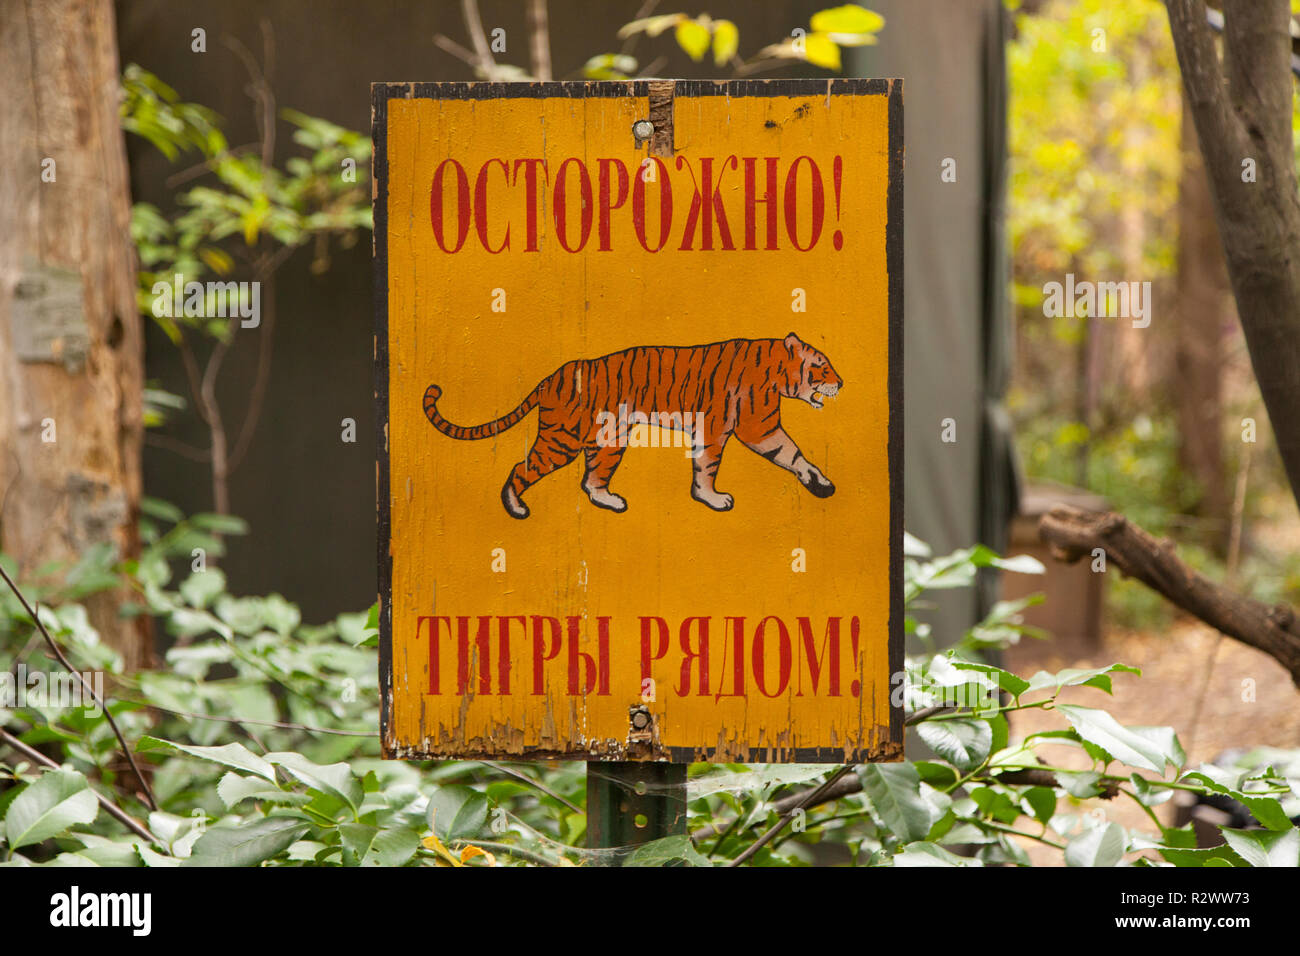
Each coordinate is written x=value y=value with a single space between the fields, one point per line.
x=487 y=430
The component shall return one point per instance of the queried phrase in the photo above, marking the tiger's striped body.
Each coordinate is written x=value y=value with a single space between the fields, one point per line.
x=730 y=388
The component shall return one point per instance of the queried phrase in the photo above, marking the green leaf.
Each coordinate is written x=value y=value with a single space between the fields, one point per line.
x=1041 y=801
x=336 y=779
x=662 y=852
x=393 y=847
x=103 y=851
x=233 y=789
x=982 y=556
x=963 y=743
x=283 y=616
x=202 y=587
x=1149 y=793
x=1267 y=810
x=1009 y=682
x=1078 y=677
x=1020 y=564
x=457 y=812
x=894 y=790
x=1100 y=846
x=996 y=804
x=356 y=838
x=935 y=774
x=1166 y=740
x=1081 y=784
x=162 y=510
x=1265 y=848
x=931 y=854
x=1214 y=856
x=57 y=800
x=914 y=547
x=221 y=524
x=247 y=844
x=1101 y=729
x=229 y=755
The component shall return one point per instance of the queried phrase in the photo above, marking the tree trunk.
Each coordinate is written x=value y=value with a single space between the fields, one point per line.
x=71 y=352
x=1202 y=311
x=1244 y=124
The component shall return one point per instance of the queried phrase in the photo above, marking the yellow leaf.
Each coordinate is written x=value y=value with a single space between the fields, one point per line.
x=431 y=842
x=850 y=18
x=469 y=852
x=693 y=38
x=218 y=260
x=820 y=50
x=726 y=40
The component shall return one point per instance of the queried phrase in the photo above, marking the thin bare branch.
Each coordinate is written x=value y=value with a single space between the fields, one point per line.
x=449 y=45
x=474 y=24
x=510 y=771
x=540 y=30
x=111 y=808
x=810 y=799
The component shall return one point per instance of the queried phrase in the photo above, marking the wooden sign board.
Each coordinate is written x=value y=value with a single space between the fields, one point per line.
x=639 y=394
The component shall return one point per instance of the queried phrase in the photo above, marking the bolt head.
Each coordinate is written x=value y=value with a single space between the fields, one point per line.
x=643 y=129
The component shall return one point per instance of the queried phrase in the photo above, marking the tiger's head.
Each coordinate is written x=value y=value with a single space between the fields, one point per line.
x=809 y=375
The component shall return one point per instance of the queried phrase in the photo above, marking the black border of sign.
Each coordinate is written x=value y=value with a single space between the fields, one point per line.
x=381 y=93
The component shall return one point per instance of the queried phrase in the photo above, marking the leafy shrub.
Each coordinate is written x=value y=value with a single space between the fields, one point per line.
x=258 y=741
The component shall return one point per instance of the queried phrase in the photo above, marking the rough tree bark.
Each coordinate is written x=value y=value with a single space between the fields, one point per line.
x=1242 y=112
x=71 y=353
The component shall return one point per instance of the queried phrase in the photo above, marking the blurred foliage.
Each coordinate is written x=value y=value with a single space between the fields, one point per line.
x=1095 y=127
x=242 y=207
x=1094 y=133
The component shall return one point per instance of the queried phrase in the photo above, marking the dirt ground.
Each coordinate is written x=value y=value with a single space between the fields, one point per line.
x=1234 y=713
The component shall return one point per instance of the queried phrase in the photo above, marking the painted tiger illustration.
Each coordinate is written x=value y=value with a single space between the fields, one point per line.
x=733 y=388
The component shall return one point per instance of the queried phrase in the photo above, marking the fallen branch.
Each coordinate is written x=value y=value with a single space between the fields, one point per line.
x=1074 y=534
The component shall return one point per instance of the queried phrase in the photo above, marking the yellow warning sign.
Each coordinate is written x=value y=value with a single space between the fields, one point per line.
x=639 y=363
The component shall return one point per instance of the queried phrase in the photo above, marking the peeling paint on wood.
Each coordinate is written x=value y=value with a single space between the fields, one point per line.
x=533 y=251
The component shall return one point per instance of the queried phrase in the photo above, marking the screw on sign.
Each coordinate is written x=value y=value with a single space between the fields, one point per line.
x=590 y=359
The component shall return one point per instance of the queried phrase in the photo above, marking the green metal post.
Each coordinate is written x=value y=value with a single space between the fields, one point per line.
x=633 y=803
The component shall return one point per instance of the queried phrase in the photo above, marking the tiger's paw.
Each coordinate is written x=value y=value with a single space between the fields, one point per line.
x=514 y=506
x=820 y=486
x=715 y=500
x=607 y=500
x=811 y=477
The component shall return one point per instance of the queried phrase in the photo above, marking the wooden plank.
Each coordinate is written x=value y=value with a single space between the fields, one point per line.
x=550 y=274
